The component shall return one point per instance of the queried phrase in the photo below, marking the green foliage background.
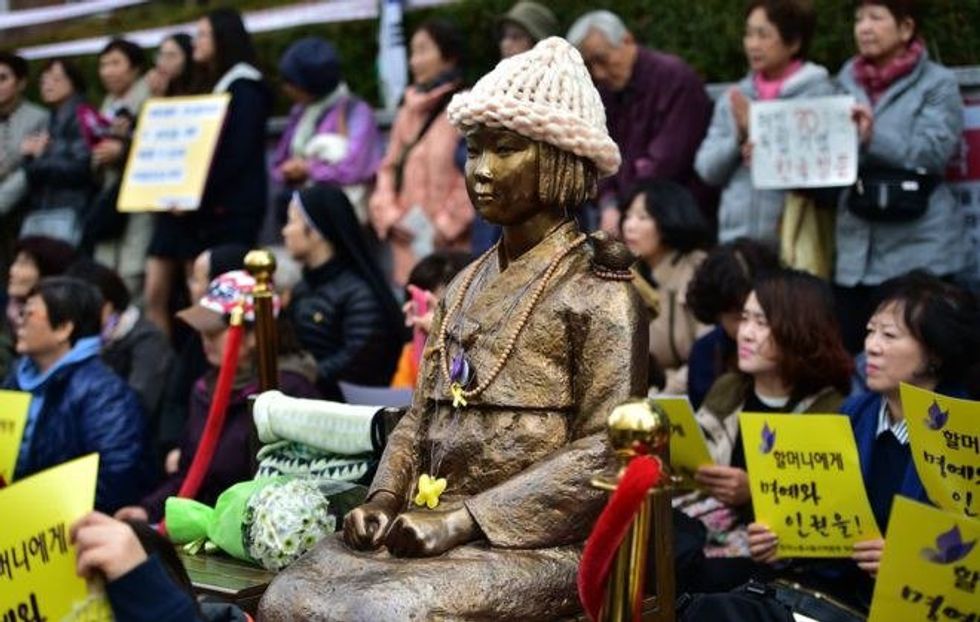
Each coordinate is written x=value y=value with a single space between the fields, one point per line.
x=706 y=33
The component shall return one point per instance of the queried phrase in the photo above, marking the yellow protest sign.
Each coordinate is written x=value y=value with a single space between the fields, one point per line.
x=944 y=434
x=13 y=416
x=37 y=561
x=171 y=155
x=930 y=567
x=806 y=483
x=688 y=449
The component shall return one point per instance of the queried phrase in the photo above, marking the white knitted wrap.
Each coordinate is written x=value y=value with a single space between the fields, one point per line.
x=545 y=94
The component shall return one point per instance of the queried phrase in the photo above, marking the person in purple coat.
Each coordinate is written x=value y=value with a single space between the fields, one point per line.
x=331 y=136
x=231 y=462
x=657 y=112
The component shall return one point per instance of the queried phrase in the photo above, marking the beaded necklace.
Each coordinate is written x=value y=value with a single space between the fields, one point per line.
x=455 y=375
x=459 y=373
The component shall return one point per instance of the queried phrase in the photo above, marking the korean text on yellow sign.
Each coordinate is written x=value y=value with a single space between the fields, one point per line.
x=688 y=449
x=37 y=561
x=806 y=483
x=930 y=568
x=13 y=416
x=173 y=145
x=944 y=433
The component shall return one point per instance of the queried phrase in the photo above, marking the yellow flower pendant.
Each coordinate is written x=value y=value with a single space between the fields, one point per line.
x=429 y=490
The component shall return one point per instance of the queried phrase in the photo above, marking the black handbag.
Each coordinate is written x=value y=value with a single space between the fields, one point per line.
x=757 y=602
x=753 y=602
x=891 y=194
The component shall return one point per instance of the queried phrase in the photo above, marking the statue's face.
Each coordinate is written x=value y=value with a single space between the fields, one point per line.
x=502 y=175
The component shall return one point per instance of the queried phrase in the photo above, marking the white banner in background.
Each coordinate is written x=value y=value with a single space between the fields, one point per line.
x=255 y=22
x=803 y=143
x=392 y=57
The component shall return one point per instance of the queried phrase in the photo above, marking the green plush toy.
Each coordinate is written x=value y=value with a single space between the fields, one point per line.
x=269 y=521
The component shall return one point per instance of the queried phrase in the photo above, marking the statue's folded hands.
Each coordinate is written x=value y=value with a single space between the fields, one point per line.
x=426 y=534
x=366 y=526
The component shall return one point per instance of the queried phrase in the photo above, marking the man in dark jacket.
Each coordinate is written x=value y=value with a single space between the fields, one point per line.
x=657 y=111
x=78 y=405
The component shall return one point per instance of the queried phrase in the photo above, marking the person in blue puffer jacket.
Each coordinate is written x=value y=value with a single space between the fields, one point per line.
x=78 y=405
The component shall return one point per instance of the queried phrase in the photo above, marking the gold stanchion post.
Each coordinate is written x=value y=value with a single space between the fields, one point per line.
x=261 y=264
x=640 y=427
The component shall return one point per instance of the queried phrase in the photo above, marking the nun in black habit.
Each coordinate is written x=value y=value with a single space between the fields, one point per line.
x=343 y=311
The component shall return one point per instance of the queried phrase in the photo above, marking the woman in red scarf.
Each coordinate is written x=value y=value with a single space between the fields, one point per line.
x=909 y=114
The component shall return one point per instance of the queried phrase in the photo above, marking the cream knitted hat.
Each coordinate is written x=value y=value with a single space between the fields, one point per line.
x=545 y=94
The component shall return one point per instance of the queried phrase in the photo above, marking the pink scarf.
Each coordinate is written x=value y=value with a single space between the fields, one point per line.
x=876 y=80
x=766 y=88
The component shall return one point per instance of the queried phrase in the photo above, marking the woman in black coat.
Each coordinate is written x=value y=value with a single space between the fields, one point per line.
x=343 y=311
x=233 y=204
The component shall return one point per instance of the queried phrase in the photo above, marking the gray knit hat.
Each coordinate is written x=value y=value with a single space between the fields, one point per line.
x=535 y=18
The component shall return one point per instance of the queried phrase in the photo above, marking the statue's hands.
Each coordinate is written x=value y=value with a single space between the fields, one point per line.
x=366 y=525
x=427 y=534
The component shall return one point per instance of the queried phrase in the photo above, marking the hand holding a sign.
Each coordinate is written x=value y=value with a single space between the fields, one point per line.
x=730 y=485
x=132 y=512
x=106 y=546
x=763 y=544
x=868 y=554
x=746 y=150
x=864 y=120
x=108 y=151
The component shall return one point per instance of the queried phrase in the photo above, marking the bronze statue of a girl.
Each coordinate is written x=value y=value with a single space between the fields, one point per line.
x=482 y=500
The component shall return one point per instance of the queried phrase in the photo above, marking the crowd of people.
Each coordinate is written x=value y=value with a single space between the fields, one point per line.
x=376 y=229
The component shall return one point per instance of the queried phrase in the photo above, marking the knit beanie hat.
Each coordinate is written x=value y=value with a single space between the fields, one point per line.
x=545 y=94
x=312 y=64
x=225 y=292
x=533 y=17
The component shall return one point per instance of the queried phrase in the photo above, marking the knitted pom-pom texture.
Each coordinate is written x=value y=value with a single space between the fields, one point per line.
x=545 y=94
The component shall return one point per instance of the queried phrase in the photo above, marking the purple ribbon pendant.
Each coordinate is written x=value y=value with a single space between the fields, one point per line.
x=460 y=371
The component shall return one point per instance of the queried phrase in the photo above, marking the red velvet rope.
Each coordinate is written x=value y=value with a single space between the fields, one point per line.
x=641 y=475
x=216 y=418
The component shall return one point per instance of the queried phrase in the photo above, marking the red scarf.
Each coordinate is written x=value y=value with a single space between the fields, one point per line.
x=876 y=80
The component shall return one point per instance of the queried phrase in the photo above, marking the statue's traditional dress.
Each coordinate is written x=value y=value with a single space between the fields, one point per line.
x=519 y=456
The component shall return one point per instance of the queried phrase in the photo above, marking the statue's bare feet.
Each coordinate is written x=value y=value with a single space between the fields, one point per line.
x=427 y=534
x=366 y=526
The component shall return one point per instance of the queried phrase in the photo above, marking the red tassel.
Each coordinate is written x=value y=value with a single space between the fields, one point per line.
x=641 y=475
x=201 y=463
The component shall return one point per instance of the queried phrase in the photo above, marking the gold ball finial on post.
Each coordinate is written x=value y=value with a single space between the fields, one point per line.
x=261 y=264
x=640 y=427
